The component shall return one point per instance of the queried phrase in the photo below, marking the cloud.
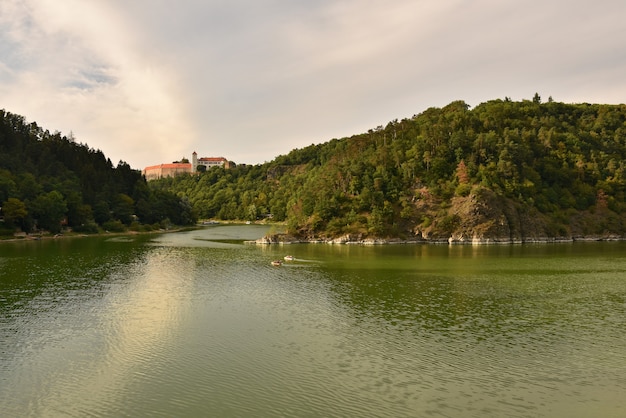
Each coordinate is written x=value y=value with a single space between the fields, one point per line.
x=79 y=70
x=151 y=81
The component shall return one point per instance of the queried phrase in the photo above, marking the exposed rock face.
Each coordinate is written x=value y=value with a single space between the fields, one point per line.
x=485 y=217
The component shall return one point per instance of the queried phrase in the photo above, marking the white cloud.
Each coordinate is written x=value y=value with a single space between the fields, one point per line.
x=82 y=71
x=151 y=81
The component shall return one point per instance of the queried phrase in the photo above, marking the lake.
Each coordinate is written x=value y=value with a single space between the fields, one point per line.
x=199 y=324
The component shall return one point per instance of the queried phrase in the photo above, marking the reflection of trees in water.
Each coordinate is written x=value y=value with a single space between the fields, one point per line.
x=478 y=306
x=72 y=268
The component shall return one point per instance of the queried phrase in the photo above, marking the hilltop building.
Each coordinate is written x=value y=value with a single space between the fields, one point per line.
x=166 y=170
x=208 y=162
x=177 y=168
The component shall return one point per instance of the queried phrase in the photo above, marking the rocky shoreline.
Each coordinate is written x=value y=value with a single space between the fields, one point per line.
x=283 y=239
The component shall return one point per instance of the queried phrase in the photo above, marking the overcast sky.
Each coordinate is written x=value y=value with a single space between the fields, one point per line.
x=151 y=81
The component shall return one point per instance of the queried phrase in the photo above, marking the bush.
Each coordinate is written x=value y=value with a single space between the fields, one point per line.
x=165 y=224
x=6 y=231
x=87 y=228
x=138 y=227
x=449 y=223
x=114 y=226
x=463 y=190
x=336 y=226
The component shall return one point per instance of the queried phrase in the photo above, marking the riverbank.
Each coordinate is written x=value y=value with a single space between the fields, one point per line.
x=284 y=239
x=23 y=237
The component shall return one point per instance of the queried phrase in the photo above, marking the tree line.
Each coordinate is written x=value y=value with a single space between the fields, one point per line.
x=564 y=163
x=48 y=182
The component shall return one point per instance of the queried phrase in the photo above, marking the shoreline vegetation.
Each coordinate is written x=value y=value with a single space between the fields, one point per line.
x=499 y=172
x=52 y=183
x=502 y=172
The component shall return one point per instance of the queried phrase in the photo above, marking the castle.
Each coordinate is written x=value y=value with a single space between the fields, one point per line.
x=174 y=169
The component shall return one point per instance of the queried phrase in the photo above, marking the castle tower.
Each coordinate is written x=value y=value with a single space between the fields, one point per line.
x=194 y=162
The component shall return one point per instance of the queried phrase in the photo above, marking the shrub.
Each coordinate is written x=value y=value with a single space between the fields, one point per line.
x=114 y=226
x=87 y=228
x=463 y=190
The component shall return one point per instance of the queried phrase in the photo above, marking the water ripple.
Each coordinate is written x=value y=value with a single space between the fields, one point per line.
x=166 y=329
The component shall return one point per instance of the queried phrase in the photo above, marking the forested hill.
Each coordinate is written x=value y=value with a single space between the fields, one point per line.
x=503 y=170
x=49 y=182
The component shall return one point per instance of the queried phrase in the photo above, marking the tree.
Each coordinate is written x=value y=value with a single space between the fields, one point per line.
x=7 y=185
x=123 y=208
x=251 y=212
x=49 y=211
x=35 y=162
x=14 y=211
x=29 y=187
x=375 y=222
x=101 y=211
x=461 y=173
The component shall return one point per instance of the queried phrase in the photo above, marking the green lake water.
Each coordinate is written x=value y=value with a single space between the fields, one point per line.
x=199 y=324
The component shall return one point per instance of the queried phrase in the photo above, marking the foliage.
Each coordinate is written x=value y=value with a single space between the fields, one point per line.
x=14 y=211
x=547 y=159
x=49 y=182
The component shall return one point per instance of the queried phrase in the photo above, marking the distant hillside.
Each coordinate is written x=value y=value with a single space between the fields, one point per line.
x=49 y=182
x=504 y=170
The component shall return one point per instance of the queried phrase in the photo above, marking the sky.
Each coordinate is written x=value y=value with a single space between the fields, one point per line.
x=151 y=81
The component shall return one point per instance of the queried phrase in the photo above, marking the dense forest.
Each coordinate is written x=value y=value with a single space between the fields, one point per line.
x=48 y=182
x=503 y=170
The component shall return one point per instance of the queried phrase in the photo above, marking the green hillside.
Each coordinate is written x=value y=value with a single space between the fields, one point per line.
x=48 y=182
x=503 y=170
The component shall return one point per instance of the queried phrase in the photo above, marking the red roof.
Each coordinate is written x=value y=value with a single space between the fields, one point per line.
x=173 y=165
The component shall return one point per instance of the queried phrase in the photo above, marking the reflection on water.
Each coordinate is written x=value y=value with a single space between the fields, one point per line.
x=79 y=341
x=200 y=324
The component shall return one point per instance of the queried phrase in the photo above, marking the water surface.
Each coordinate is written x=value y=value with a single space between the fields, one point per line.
x=200 y=324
